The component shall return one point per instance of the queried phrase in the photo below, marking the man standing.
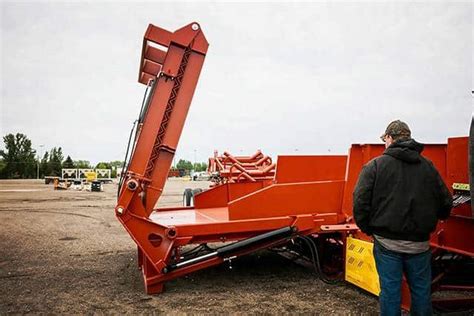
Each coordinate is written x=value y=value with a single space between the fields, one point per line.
x=398 y=200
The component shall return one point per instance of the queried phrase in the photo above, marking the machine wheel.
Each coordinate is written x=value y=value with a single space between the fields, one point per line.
x=188 y=197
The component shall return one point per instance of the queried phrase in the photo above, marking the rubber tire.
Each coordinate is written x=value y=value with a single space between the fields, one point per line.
x=187 y=197
x=196 y=191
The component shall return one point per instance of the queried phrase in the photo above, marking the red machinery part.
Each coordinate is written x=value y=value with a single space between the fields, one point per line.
x=229 y=169
x=307 y=196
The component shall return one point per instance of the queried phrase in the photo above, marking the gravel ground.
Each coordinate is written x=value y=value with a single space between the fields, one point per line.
x=64 y=252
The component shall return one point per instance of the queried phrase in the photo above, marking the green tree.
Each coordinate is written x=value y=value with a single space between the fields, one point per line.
x=82 y=164
x=184 y=164
x=103 y=165
x=2 y=166
x=44 y=165
x=18 y=156
x=116 y=164
x=68 y=163
x=200 y=166
x=55 y=162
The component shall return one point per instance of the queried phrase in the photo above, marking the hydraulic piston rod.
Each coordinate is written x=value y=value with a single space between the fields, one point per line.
x=229 y=250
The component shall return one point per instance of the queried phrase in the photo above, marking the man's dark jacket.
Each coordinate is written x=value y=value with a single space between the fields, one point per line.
x=400 y=195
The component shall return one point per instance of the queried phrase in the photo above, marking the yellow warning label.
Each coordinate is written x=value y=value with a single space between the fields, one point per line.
x=360 y=265
x=461 y=186
x=91 y=176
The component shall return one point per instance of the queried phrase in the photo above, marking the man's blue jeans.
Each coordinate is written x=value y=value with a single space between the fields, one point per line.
x=417 y=268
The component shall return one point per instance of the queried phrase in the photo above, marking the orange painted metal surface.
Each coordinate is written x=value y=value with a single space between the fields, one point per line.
x=307 y=200
x=221 y=195
x=289 y=199
x=296 y=169
x=310 y=194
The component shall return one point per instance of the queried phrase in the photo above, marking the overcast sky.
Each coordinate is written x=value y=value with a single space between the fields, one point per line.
x=282 y=77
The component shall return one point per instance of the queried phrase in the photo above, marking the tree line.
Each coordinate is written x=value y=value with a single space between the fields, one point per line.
x=20 y=161
x=188 y=165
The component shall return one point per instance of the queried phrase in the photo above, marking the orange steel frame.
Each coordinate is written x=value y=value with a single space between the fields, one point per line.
x=311 y=194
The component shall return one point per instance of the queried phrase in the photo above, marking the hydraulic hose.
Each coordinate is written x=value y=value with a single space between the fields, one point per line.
x=316 y=261
x=141 y=115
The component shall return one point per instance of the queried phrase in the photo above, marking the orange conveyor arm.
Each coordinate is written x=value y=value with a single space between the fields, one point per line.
x=170 y=65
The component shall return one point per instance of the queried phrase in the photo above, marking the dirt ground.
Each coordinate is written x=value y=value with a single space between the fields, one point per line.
x=65 y=252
